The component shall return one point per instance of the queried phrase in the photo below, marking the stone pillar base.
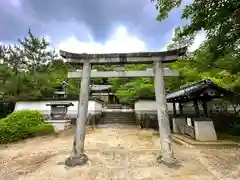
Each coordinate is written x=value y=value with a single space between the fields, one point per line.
x=178 y=121
x=76 y=160
x=205 y=131
x=169 y=161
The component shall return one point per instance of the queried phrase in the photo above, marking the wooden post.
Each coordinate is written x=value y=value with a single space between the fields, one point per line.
x=205 y=109
x=196 y=108
x=174 y=110
x=181 y=109
x=93 y=121
x=163 y=118
x=78 y=157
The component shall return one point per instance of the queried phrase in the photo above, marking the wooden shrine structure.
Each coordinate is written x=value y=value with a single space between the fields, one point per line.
x=193 y=118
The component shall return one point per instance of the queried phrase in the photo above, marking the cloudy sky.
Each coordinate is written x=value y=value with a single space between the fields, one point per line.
x=94 y=26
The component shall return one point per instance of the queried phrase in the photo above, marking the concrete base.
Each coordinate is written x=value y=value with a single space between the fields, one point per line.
x=59 y=125
x=176 y=122
x=205 y=131
x=166 y=159
x=138 y=118
x=76 y=160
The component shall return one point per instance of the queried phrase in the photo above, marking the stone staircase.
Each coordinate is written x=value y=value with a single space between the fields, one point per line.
x=116 y=117
x=115 y=114
x=113 y=106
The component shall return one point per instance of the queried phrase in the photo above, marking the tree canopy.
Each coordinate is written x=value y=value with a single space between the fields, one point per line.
x=31 y=69
x=219 y=19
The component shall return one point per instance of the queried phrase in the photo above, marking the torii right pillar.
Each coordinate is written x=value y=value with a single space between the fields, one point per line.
x=167 y=155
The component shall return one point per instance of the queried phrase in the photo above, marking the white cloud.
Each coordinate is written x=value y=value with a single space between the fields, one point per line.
x=200 y=37
x=121 y=41
x=15 y=3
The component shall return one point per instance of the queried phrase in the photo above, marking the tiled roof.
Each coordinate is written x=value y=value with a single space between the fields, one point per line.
x=203 y=89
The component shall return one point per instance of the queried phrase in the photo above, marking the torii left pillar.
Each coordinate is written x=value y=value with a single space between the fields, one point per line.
x=167 y=155
x=78 y=157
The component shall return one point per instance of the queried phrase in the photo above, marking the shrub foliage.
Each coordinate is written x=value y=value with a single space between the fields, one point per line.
x=23 y=124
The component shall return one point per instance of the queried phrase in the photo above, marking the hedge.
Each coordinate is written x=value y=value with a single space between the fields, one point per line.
x=234 y=130
x=23 y=124
x=6 y=108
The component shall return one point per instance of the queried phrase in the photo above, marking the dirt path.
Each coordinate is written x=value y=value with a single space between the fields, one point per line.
x=115 y=154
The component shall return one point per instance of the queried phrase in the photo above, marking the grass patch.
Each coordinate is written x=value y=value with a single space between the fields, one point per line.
x=156 y=134
x=224 y=136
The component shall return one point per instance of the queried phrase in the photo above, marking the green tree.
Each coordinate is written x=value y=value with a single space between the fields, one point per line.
x=219 y=19
x=29 y=70
x=13 y=57
x=36 y=52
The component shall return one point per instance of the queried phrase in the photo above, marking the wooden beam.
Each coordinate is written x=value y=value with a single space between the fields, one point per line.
x=112 y=74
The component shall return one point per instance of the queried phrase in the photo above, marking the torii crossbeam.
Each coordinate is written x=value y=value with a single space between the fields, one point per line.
x=118 y=74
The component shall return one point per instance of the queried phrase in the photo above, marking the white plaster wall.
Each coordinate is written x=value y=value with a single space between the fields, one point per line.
x=33 y=105
x=72 y=110
x=93 y=106
x=148 y=105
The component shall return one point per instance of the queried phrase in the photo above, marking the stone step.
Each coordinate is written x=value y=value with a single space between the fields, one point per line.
x=118 y=113
x=119 y=122
x=114 y=106
x=115 y=117
x=57 y=121
x=118 y=110
x=118 y=117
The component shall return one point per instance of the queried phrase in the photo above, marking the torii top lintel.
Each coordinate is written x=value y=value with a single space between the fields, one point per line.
x=124 y=58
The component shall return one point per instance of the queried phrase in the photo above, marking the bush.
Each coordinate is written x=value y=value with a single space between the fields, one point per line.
x=235 y=130
x=23 y=124
x=42 y=129
x=6 y=108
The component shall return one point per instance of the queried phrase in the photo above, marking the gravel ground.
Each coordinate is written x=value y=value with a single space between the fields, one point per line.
x=115 y=153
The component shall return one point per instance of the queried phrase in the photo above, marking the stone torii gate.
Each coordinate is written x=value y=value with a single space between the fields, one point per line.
x=156 y=58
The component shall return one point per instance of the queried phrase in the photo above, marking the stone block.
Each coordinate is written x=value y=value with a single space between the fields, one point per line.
x=177 y=122
x=205 y=131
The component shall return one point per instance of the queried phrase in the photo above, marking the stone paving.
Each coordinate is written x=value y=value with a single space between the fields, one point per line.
x=115 y=153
